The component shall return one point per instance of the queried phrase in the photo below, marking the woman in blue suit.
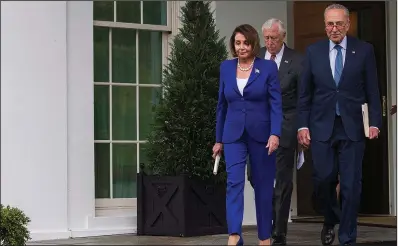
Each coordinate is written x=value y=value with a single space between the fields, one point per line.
x=249 y=118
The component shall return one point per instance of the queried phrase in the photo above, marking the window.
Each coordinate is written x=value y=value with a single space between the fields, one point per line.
x=130 y=49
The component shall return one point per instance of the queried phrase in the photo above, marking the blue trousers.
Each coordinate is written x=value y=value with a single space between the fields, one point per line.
x=263 y=174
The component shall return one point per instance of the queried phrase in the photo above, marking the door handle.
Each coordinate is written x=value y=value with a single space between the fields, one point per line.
x=384 y=106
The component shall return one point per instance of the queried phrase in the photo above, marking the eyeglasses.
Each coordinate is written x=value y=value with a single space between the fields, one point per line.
x=339 y=25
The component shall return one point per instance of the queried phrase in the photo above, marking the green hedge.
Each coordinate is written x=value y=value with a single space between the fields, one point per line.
x=13 y=226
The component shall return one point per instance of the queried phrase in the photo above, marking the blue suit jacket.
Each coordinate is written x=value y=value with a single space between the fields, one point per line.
x=259 y=110
x=319 y=93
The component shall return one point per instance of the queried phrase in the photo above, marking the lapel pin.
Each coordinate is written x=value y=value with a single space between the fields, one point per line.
x=353 y=51
x=257 y=71
x=286 y=61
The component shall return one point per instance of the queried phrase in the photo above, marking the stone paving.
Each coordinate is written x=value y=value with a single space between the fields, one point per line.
x=299 y=234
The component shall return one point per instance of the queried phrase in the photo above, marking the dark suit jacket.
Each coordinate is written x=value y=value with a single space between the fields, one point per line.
x=289 y=74
x=319 y=93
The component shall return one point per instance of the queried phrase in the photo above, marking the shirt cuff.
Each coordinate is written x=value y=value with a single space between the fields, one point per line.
x=302 y=128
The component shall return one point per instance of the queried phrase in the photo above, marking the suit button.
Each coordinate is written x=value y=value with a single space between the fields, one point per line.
x=243 y=110
x=337 y=90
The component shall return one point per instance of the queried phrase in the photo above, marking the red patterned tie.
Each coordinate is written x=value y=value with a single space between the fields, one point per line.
x=273 y=57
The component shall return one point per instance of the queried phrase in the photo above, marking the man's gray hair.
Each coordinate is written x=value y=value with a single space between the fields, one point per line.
x=269 y=23
x=337 y=6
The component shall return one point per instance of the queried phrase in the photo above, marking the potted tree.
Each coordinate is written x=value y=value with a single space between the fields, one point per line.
x=178 y=195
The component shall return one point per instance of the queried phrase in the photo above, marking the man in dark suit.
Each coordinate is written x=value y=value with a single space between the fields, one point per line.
x=289 y=64
x=339 y=75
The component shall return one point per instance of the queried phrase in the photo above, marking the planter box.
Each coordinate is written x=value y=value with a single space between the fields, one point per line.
x=179 y=206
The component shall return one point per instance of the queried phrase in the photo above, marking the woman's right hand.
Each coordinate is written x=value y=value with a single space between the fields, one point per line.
x=217 y=148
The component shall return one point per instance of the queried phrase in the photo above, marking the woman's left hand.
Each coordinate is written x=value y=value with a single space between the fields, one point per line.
x=273 y=143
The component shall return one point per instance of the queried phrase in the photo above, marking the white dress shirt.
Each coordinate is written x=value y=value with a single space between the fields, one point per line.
x=241 y=84
x=278 y=57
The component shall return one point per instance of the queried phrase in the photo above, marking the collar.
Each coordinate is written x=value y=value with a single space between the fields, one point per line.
x=343 y=44
x=278 y=55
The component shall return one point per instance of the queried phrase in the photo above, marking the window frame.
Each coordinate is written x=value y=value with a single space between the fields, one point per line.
x=107 y=206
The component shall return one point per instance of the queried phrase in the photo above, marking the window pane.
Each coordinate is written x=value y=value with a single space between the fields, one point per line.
x=123 y=55
x=124 y=170
x=101 y=112
x=155 y=12
x=150 y=57
x=124 y=121
x=128 y=11
x=101 y=54
x=103 y=10
x=102 y=180
x=148 y=97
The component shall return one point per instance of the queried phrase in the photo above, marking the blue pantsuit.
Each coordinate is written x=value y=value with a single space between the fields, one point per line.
x=244 y=124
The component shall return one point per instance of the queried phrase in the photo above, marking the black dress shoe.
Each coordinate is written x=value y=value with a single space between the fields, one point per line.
x=327 y=235
x=279 y=240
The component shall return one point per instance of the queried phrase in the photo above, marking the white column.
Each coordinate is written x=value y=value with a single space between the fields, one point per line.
x=34 y=113
x=81 y=187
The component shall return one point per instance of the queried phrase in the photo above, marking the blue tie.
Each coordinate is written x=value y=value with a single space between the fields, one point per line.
x=338 y=68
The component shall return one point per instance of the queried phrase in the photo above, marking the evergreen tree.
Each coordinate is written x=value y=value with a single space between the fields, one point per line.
x=183 y=133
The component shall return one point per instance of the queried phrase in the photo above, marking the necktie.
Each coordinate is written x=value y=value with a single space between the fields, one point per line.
x=273 y=57
x=338 y=68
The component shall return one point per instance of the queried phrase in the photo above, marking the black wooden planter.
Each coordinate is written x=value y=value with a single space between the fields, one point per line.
x=179 y=206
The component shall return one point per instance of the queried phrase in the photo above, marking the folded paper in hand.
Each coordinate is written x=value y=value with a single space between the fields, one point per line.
x=216 y=162
x=300 y=159
x=365 y=117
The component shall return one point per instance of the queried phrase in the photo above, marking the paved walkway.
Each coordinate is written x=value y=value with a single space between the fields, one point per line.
x=299 y=234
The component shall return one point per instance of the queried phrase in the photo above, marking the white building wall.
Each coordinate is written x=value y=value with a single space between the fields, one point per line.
x=34 y=112
x=47 y=116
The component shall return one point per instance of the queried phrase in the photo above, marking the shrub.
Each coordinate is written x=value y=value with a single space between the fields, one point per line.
x=13 y=226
